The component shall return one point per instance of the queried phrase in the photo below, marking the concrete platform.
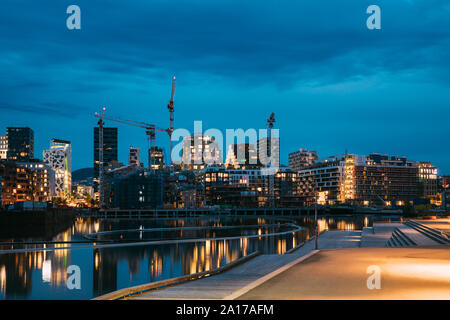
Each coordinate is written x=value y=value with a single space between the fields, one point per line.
x=378 y=235
x=406 y=273
x=222 y=285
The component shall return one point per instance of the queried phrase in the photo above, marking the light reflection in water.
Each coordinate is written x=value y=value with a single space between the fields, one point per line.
x=43 y=275
x=2 y=279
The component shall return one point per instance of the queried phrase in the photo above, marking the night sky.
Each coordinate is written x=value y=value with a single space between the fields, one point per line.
x=333 y=84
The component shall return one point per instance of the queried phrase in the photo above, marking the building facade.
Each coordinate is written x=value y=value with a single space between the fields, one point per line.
x=43 y=180
x=376 y=179
x=3 y=146
x=139 y=190
x=428 y=180
x=269 y=152
x=302 y=158
x=156 y=158
x=200 y=151
x=20 y=143
x=380 y=180
x=17 y=183
x=110 y=148
x=134 y=156
x=242 y=155
x=326 y=177
x=59 y=159
x=249 y=187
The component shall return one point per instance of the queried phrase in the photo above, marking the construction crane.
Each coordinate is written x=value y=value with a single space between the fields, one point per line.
x=171 y=111
x=269 y=124
x=100 y=157
x=271 y=121
x=150 y=130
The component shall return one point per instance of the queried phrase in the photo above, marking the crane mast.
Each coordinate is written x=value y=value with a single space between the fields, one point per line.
x=171 y=111
x=100 y=158
x=269 y=124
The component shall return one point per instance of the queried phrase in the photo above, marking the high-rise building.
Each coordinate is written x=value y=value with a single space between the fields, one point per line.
x=242 y=155
x=269 y=152
x=155 y=158
x=134 y=156
x=302 y=158
x=3 y=146
x=199 y=151
x=20 y=143
x=110 y=147
x=59 y=158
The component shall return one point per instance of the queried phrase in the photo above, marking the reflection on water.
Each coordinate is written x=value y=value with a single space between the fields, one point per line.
x=42 y=274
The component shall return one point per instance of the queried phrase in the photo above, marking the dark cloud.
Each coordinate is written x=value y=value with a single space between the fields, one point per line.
x=314 y=52
x=46 y=109
x=259 y=41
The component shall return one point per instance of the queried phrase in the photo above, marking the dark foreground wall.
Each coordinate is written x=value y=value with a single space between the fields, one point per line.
x=41 y=224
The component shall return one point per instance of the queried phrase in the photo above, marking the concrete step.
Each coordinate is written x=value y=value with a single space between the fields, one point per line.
x=404 y=238
x=427 y=228
x=394 y=242
x=438 y=233
x=399 y=238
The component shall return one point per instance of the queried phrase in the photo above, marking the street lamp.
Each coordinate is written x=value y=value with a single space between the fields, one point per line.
x=316 y=227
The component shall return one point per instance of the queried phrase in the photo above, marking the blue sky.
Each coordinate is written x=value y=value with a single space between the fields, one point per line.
x=333 y=84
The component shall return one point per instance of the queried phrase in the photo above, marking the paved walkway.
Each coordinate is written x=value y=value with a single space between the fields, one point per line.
x=406 y=273
x=378 y=235
x=223 y=285
x=419 y=238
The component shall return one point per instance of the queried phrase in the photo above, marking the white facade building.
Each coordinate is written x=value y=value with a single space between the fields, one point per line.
x=3 y=146
x=59 y=158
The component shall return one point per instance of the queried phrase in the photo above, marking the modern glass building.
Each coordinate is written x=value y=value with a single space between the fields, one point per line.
x=20 y=143
x=110 y=147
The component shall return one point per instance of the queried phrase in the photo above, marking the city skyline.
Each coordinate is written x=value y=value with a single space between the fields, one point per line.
x=333 y=86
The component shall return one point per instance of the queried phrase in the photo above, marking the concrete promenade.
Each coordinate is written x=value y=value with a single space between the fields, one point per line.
x=421 y=271
x=406 y=273
x=224 y=285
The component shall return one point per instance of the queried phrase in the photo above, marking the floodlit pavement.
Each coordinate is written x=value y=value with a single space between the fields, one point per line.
x=406 y=273
x=439 y=224
x=226 y=284
x=338 y=271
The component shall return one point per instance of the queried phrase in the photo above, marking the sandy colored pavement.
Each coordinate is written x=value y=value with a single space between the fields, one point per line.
x=406 y=273
x=439 y=224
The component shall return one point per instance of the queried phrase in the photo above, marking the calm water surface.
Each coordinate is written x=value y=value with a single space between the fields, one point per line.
x=34 y=270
